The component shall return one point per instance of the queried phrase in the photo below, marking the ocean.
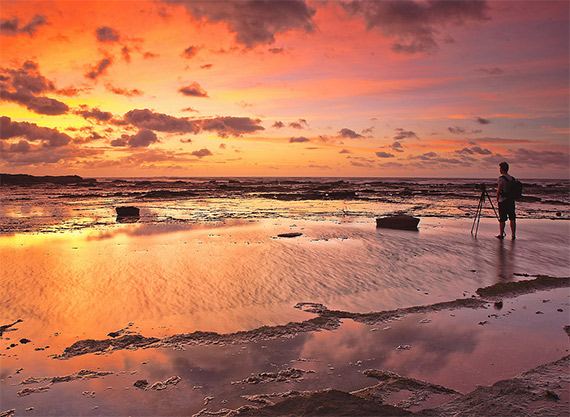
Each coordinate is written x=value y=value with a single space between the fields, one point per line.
x=91 y=204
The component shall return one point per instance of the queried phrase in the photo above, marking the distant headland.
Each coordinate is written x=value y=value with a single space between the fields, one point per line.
x=25 y=179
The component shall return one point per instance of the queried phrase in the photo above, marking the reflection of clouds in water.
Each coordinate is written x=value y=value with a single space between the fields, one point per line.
x=163 y=228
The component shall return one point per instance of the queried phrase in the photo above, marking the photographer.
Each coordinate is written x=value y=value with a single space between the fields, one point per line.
x=506 y=202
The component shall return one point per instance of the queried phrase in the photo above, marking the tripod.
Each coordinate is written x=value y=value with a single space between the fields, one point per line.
x=484 y=194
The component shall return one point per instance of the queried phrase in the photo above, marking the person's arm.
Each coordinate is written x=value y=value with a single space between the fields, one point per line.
x=499 y=190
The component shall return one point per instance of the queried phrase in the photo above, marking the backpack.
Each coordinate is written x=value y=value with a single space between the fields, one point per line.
x=514 y=191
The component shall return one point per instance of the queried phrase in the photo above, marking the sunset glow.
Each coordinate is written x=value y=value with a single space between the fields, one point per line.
x=292 y=88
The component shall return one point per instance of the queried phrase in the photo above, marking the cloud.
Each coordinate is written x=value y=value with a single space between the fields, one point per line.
x=202 y=153
x=206 y=66
x=146 y=119
x=122 y=91
x=49 y=138
x=94 y=113
x=482 y=121
x=193 y=90
x=278 y=125
x=107 y=34
x=190 y=52
x=126 y=52
x=24 y=86
x=540 y=159
x=277 y=50
x=405 y=134
x=344 y=151
x=231 y=126
x=384 y=155
x=456 y=130
x=397 y=146
x=142 y=139
x=185 y=140
x=301 y=124
x=99 y=69
x=224 y=126
x=478 y=150
x=190 y=109
x=348 y=133
x=300 y=139
x=414 y=24
x=12 y=27
x=253 y=21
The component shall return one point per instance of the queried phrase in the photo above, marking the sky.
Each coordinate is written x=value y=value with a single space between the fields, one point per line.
x=177 y=88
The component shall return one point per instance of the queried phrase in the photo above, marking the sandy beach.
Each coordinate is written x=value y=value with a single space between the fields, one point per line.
x=226 y=318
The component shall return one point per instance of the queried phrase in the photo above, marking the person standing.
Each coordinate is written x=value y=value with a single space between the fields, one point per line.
x=506 y=202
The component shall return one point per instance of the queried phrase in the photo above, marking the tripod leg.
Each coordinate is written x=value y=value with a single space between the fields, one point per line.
x=490 y=201
x=478 y=214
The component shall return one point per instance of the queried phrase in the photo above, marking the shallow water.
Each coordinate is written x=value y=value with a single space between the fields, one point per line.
x=71 y=272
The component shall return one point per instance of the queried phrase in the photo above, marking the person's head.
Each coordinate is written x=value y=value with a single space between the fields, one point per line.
x=504 y=167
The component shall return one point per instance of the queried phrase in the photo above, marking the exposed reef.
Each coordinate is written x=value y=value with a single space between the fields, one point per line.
x=326 y=320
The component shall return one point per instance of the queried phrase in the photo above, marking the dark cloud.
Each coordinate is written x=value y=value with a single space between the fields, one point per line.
x=142 y=139
x=425 y=157
x=402 y=134
x=491 y=71
x=206 y=66
x=12 y=27
x=397 y=147
x=254 y=21
x=384 y=155
x=94 y=113
x=478 y=150
x=146 y=119
x=276 y=50
x=150 y=55
x=20 y=147
x=99 y=68
x=25 y=86
x=190 y=109
x=300 y=139
x=193 y=90
x=345 y=151
x=107 y=34
x=222 y=146
x=348 y=133
x=126 y=52
x=49 y=138
x=540 y=159
x=465 y=151
x=482 y=121
x=185 y=140
x=278 y=125
x=190 y=52
x=456 y=130
x=415 y=24
x=202 y=153
x=301 y=124
x=232 y=126
x=123 y=91
x=224 y=126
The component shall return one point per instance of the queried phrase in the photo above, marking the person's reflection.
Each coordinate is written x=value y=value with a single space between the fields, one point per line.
x=505 y=264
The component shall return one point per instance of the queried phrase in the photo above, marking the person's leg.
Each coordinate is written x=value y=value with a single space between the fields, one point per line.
x=502 y=219
x=513 y=228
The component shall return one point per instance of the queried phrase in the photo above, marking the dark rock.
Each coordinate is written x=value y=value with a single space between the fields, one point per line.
x=399 y=221
x=141 y=383
x=498 y=305
x=127 y=211
x=24 y=341
x=293 y=234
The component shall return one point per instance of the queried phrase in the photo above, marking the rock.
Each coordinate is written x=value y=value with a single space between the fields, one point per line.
x=293 y=234
x=141 y=383
x=399 y=221
x=127 y=211
x=24 y=341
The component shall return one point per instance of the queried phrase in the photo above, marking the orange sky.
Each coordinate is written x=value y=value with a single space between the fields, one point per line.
x=294 y=88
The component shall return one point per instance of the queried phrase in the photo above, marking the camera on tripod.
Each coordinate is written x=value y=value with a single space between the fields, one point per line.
x=479 y=210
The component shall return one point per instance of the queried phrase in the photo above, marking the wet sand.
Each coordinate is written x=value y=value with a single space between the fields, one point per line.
x=420 y=338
